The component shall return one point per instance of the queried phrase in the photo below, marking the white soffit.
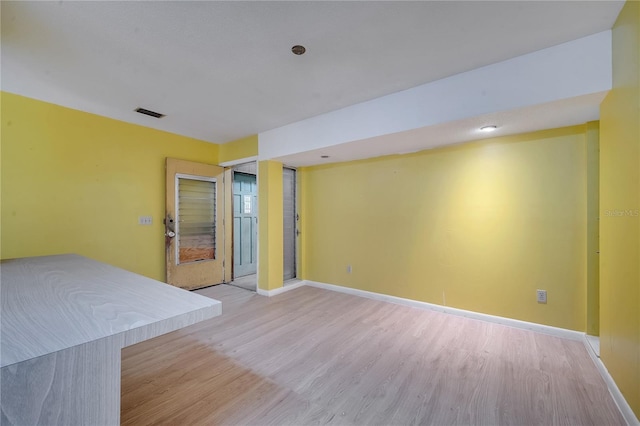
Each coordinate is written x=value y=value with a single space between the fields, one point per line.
x=568 y=72
x=566 y=112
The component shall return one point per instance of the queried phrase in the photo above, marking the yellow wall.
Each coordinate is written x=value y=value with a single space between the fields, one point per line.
x=593 y=223
x=478 y=226
x=270 y=225
x=74 y=182
x=620 y=211
x=239 y=149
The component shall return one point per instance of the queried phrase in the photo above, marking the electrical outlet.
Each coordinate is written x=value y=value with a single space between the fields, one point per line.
x=349 y=269
x=541 y=296
x=145 y=220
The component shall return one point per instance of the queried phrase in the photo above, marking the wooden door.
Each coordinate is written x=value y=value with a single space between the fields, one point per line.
x=245 y=222
x=194 y=224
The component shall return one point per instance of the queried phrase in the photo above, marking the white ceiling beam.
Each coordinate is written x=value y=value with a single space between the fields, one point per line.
x=569 y=70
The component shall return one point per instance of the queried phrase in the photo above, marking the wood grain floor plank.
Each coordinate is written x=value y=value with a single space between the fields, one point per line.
x=311 y=356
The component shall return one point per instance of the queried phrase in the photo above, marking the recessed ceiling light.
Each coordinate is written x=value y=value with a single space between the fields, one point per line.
x=298 y=50
x=324 y=156
x=488 y=128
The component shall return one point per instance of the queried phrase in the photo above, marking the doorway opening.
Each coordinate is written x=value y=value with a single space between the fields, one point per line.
x=290 y=223
x=245 y=226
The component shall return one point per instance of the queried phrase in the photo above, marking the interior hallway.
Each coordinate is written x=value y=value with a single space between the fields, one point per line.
x=248 y=282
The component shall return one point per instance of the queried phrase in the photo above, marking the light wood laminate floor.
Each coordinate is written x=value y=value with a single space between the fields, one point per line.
x=312 y=356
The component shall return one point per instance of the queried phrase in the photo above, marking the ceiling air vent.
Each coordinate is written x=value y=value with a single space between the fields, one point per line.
x=150 y=113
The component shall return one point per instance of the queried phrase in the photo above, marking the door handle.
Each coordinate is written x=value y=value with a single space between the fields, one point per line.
x=169 y=227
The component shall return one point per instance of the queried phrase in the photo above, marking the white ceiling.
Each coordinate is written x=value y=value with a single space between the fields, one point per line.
x=224 y=70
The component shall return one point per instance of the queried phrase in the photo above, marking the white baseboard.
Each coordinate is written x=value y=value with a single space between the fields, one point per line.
x=286 y=287
x=618 y=398
x=546 y=329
